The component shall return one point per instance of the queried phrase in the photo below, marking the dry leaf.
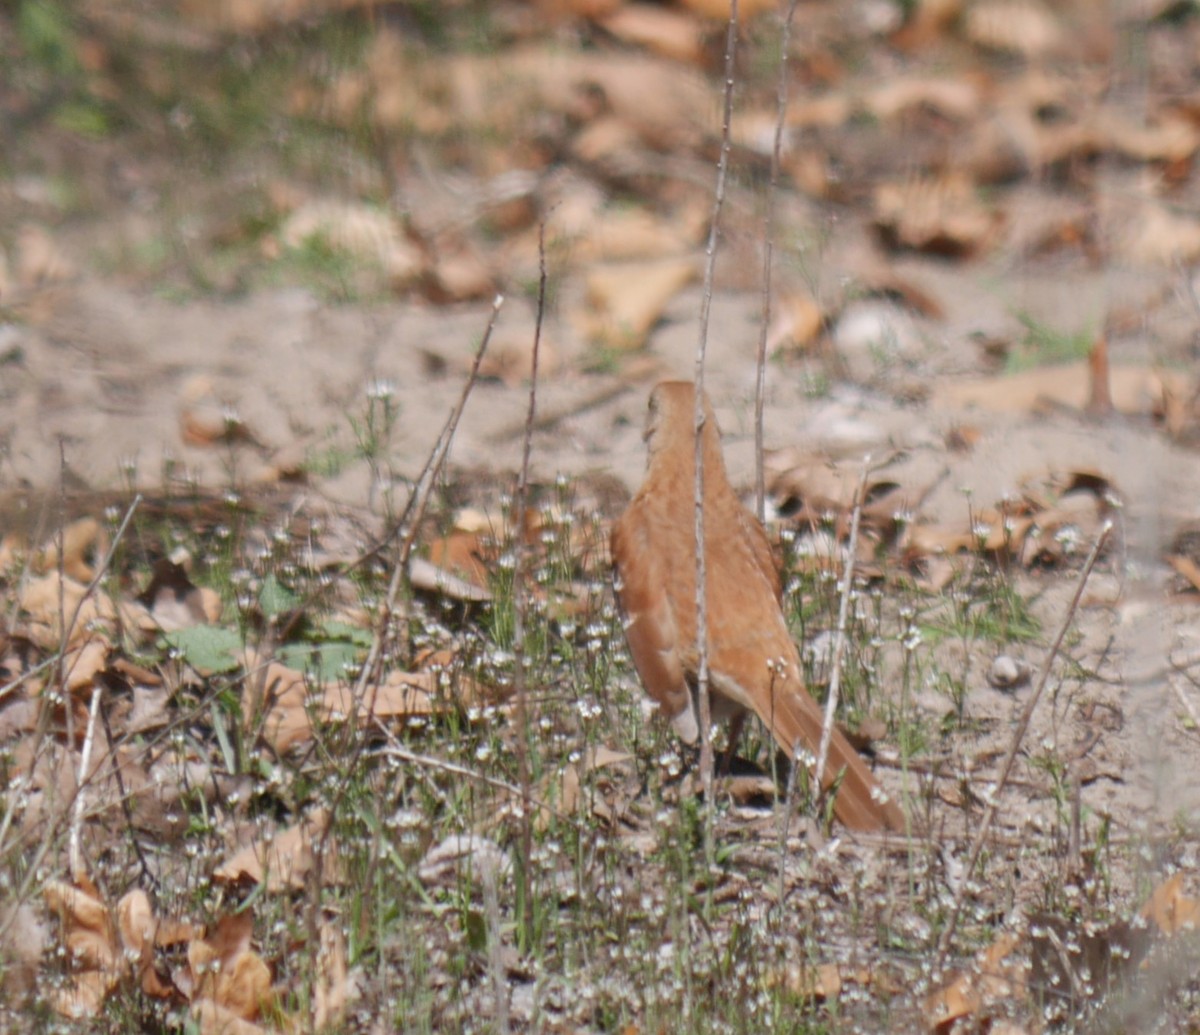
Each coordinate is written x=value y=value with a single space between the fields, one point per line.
x=429 y=577
x=80 y=538
x=958 y=99
x=1170 y=910
x=40 y=260
x=214 y=1019
x=939 y=215
x=462 y=553
x=666 y=32
x=1186 y=567
x=990 y=980
x=1016 y=26
x=285 y=861
x=361 y=231
x=718 y=10
x=797 y=323
x=23 y=939
x=1158 y=236
x=81 y=666
x=821 y=982
x=459 y=273
x=332 y=986
x=463 y=851
x=627 y=300
x=510 y=360
x=1135 y=390
x=175 y=602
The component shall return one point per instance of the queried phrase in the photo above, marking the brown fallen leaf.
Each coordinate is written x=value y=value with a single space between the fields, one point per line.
x=332 y=985
x=939 y=215
x=663 y=31
x=289 y=704
x=362 y=231
x=23 y=939
x=79 y=539
x=105 y=946
x=626 y=300
x=82 y=665
x=821 y=982
x=991 y=980
x=1170 y=910
x=285 y=861
x=562 y=792
x=1021 y=27
x=718 y=10
x=1186 y=567
x=45 y=603
x=797 y=323
x=1135 y=390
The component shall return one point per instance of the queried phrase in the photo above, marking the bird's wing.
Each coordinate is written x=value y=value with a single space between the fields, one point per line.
x=650 y=628
x=760 y=549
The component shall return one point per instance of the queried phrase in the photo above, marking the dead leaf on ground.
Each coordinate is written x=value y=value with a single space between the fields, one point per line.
x=1159 y=236
x=938 y=215
x=82 y=538
x=718 y=10
x=471 y=852
x=820 y=982
x=955 y=98
x=45 y=602
x=562 y=793
x=509 y=360
x=626 y=300
x=1170 y=910
x=797 y=323
x=663 y=31
x=1015 y=26
x=809 y=490
x=207 y=420
x=290 y=704
x=23 y=939
x=41 y=261
x=1134 y=390
x=106 y=946
x=285 y=861
x=362 y=231
x=429 y=577
x=332 y=985
x=81 y=666
x=991 y=980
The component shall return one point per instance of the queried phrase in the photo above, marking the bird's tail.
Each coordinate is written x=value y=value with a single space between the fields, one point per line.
x=795 y=721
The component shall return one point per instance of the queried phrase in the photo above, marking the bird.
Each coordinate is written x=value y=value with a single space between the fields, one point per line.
x=753 y=662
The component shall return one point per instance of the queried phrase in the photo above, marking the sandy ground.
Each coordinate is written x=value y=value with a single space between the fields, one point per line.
x=112 y=374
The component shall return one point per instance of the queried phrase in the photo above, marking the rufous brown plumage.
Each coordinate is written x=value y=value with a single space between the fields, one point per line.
x=752 y=659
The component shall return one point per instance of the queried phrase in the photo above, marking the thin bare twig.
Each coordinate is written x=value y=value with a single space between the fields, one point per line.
x=74 y=838
x=706 y=753
x=410 y=521
x=760 y=383
x=1022 y=727
x=520 y=504
x=839 y=643
x=40 y=732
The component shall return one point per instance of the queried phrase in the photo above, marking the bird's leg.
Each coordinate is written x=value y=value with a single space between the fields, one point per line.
x=725 y=768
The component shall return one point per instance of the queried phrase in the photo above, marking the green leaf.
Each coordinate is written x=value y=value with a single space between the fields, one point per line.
x=275 y=598
x=325 y=661
x=207 y=648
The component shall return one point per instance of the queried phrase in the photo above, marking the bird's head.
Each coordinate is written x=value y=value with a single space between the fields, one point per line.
x=671 y=417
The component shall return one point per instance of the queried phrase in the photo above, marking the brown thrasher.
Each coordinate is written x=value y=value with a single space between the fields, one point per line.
x=753 y=662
